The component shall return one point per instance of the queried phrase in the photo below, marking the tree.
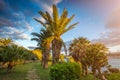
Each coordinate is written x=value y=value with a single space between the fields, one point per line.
x=57 y=27
x=5 y=41
x=11 y=53
x=77 y=50
x=44 y=40
x=38 y=53
x=97 y=58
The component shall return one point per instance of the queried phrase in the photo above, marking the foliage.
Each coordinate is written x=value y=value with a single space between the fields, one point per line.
x=38 y=53
x=57 y=26
x=96 y=54
x=12 y=53
x=77 y=50
x=5 y=41
x=62 y=58
x=113 y=70
x=65 y=71
x=89 y=55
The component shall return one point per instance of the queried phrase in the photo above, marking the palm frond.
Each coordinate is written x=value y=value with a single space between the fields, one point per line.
x=35 y=34
x=69 y=20
x=35 y=39
x=43 y=15
x=44 y=24
x=69 y=28
x=55 y=13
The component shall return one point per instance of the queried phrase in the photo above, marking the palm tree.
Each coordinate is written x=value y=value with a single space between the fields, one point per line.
x=57 y=27
x=44 y=39
x=11 y=53
x=97 y=58
x=77 y=50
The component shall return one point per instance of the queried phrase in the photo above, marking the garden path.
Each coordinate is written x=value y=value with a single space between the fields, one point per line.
x=31 y=75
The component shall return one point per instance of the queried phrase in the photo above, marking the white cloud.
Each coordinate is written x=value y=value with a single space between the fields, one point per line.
x=56 y=1
x=14 y=33
x=47 y=5
x=30 y=28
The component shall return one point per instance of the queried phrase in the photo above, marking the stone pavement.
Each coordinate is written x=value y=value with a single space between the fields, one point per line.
x=31 y=75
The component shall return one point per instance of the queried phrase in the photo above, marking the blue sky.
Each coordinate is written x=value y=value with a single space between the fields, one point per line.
x=99 y=20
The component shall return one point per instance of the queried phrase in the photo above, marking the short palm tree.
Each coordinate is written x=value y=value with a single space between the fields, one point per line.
x=97 y=58
x=11 y=53
x=77 y=50
x=57 y=25
x=44 y=40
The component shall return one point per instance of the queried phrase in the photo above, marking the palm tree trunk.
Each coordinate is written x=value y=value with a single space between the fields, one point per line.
x=56 y=48
x=45 y=63
x=10 y=66
x=100 y=74
x=86 y=70
x=45 y=58
x=94 y=73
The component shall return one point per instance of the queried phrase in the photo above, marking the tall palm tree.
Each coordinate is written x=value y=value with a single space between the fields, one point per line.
x=57 y=25
x=44 y=39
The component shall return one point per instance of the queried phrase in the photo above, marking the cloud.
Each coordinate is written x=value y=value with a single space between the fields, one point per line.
x=11 y=32
x=28 y=27
x=113 y=21
x=112 y=36
x=16 y=15
x=47 y=8
x=47 y=5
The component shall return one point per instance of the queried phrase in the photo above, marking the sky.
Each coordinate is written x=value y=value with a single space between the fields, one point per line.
x=99 y=20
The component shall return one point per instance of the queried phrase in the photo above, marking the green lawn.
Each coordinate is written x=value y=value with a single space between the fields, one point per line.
x=19 y=72
x=44 y=74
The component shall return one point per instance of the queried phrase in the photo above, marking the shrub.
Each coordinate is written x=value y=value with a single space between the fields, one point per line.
x=114 y=70
x=65 y=71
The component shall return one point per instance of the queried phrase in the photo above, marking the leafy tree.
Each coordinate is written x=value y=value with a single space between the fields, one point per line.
x=77 y=50
x=97 y=58
x=12 y=53
x=5 y=41
x=57 y=27
x=44 y=40
x=38 y=53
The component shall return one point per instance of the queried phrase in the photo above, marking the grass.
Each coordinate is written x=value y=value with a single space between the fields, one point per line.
x=113 y=76
x=19 y=72
x=88 y=77
x=43 y=73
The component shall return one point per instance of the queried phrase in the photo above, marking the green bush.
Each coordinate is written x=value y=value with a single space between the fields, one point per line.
x=65 y=71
